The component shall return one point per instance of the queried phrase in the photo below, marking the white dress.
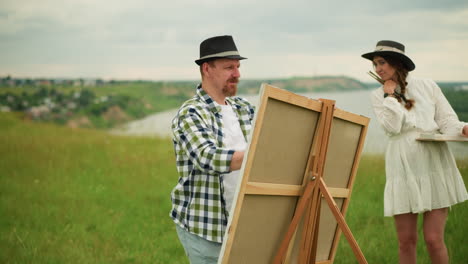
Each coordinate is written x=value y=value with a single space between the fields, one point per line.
x=421 y=176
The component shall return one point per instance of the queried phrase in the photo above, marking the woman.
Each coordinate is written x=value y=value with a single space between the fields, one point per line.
x=422 y=177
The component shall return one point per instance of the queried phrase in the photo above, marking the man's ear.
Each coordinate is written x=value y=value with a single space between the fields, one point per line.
x=206 y=67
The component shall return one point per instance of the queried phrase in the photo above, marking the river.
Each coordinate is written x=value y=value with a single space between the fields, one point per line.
x=357 y=102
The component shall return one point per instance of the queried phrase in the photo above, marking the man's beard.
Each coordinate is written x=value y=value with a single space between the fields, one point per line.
x=230 y=89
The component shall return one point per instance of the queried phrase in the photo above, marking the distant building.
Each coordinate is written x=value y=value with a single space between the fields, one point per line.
x=463 y=87
x=38 y=111
x=43 y=82
x=4 y=108
x=89 y=82
x=78 y=82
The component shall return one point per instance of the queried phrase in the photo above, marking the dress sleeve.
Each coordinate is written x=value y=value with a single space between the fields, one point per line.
x=389 y=112
x=198 y=141
x=445 y=116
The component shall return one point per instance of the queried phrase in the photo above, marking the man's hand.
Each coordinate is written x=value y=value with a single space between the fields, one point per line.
x=236 y=161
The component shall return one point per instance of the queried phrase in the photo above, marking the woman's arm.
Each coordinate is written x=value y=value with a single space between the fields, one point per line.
x=445 y=116
x=389 y=112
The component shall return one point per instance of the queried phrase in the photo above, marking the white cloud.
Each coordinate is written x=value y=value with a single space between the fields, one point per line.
x=159 y=39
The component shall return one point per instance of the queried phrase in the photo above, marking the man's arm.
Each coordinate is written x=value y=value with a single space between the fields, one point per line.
x=197 y=140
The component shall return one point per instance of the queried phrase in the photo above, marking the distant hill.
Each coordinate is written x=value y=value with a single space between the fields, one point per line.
x=306 y=84
x=105 y=105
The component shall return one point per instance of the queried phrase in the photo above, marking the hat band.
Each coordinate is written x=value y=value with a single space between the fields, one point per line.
x=387 y=48
x=221 y=54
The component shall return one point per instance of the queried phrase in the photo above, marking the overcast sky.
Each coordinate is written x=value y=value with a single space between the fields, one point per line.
x=159 y=40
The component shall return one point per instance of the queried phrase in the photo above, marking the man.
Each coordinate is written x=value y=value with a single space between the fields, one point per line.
x=209 y=135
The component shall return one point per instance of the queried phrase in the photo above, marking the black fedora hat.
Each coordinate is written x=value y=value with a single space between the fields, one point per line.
x=218 y=47
x=393 y=49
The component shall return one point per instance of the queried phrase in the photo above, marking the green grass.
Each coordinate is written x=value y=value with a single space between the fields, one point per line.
x=84 y=196
x=376 y=234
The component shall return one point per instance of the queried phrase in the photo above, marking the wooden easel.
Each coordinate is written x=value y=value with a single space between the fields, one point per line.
x=278 y=206
x=309 y=201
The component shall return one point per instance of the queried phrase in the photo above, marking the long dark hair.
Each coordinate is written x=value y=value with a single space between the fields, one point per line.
x=401 y=73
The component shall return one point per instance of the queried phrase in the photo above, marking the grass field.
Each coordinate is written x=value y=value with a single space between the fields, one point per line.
x=84 y=196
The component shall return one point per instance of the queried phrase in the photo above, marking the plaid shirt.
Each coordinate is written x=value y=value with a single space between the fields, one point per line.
x=197 y=200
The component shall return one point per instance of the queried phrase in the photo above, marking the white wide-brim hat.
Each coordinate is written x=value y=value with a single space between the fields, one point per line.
x=392 y=49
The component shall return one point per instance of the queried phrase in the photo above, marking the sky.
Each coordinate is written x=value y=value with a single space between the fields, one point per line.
x=159 y=40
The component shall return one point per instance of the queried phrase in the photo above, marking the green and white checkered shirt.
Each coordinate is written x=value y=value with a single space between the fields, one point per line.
x=202 y=159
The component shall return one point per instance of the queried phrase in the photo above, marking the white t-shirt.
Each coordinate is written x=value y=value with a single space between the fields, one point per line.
x=233 y=139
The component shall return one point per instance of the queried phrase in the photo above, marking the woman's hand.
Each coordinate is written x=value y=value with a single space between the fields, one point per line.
x=389 y=86
x=465 y=131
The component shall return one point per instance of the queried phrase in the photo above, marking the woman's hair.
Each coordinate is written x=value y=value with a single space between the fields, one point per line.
x=402 y=73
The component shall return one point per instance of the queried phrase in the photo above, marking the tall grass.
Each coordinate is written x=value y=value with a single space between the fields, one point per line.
x=83 y=196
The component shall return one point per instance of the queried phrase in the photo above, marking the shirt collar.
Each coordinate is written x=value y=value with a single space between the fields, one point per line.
x=212 y=105
x=233 y=103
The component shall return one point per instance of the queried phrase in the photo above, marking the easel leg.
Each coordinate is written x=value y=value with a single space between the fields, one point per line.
x=342 y=223
x=281 y=254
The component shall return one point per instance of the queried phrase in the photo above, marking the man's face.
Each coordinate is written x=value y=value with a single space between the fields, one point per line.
x=225 y=75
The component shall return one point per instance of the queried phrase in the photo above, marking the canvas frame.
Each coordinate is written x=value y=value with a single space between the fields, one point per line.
x=295 y=219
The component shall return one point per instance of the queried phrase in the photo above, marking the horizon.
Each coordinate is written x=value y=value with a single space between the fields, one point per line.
x=368 y=82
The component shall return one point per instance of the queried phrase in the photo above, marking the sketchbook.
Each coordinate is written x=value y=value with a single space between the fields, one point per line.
x=441 y=137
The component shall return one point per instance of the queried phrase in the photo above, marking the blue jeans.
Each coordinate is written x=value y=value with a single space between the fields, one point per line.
x=198 y=249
